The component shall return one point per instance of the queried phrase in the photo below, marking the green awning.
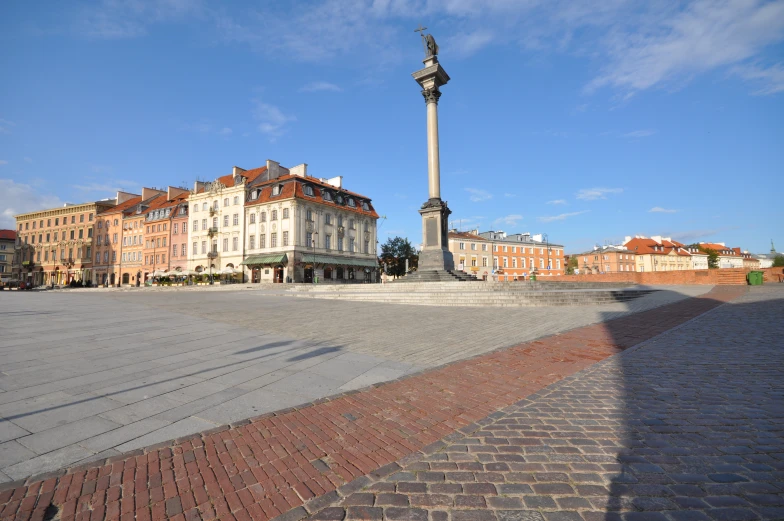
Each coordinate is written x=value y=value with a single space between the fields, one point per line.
x=264 y=260
x=341 y=261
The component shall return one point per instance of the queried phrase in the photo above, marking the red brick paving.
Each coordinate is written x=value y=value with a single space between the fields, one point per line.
x=280 y=461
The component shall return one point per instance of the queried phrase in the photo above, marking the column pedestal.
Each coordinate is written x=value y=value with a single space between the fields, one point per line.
x=435 y=254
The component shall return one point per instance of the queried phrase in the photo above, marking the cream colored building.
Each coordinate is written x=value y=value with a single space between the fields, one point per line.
x=658 y=253
x=300 y=227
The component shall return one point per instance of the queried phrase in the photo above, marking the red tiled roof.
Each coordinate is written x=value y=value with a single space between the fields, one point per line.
x=466 y=235
x=133 y=201
x=8 y=235
x=249 y=175
x=292 y=188
x=646 y=246
x=720 y=249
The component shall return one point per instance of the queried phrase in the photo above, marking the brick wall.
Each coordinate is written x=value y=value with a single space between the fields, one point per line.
x=711 y=277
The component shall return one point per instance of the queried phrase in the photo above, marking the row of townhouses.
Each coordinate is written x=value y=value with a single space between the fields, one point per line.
x=269 y=224
x=496 y=255
x=659 y=253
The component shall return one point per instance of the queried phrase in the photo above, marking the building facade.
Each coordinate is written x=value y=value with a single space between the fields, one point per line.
x=301 y=228
x=55 y=246
x=606 y=259
x=728 y=257
x=165 y=232
x=108 y=230
x=658 y=253
x=699 y=259
x=7 y=250
x=473 y=253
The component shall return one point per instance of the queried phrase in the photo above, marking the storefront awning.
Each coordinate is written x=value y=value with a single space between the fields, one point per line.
x=341 y=261
x=265 y=260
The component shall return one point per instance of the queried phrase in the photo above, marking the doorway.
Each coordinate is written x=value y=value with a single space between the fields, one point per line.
x=309 y=275
x=340 y=272
x=126 y=278
x=278 y=275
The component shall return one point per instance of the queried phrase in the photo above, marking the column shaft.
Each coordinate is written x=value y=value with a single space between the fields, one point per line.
x=433 y=163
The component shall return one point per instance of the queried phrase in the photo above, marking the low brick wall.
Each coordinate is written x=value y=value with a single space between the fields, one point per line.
x=688 y=277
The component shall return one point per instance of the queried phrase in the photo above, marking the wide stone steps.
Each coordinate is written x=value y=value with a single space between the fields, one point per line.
x=483 y=298
x=731 y=278
x=477 y=286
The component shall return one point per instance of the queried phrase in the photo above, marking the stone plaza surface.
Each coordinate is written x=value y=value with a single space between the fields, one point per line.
x=88 y=375
x=260 y=470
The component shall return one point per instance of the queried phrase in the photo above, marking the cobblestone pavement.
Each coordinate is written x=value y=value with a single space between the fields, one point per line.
x=689 y=426
x=88 y=375
x=268 y=466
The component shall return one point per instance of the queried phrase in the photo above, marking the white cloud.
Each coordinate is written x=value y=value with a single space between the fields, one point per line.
x=770 y=80
x=591 y=194
x=510 y=195
x=117 y=19
x=16 y=198
x=640 y=133
x=478 y=195
x=272 y=120
x=28 y=159
x=557 y=201
x=5 y=126
x=672 y=46
x=3 y=162
x=659 y=209
x=319 y=86
x=225 y=131
x=560 y=217
x=466 y=44
x=201 y=127
x=511 y=220
x=109 y=186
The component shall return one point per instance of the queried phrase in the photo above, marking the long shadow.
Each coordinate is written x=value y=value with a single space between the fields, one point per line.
x=304 y=356
x=696 y=416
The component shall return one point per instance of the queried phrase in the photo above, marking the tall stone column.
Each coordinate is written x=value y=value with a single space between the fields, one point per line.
x=435 y=253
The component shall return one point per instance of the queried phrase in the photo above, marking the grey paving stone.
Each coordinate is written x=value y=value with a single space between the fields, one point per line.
x=124 y=434
x=64 y=435
x=169 y=432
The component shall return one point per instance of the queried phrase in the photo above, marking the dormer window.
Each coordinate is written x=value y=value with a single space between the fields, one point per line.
x=255 y=194
x=277 y=189
x=326 y=195
x=365 y=206
x=308 y=190
x=339 y=199
x=351 y=202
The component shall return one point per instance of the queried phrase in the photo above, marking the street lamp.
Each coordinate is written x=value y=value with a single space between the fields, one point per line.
x=313 y=242
x=549 y=251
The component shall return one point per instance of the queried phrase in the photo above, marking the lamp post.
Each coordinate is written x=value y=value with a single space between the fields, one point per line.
x=549 y=251
x=313 y=242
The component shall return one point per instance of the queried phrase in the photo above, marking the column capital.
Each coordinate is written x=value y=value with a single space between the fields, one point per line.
x=431 y=95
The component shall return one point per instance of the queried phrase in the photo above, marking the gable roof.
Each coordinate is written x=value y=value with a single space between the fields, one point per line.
x=9 y=235
x=122 y=207
x=646 y=246
x=724 y=251
x=466 y=235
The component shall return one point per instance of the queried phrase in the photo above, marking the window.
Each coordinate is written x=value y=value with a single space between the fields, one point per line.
x=277 y=189
x=163 y=242
x=473 y=246
x=47 y=240
x=163 y=257
x=252 y=218
x=558 y=264
x=365 y=206
x=327 y=219
x=351 y=244
x=484 y=262
x=114 y=256
x=262 y=241
x=184 y=252
x=215 y=222
x=100 y=224
x=195 y=207
x=327 y=196
x=252 y=242
x=56 y=222
x=461 y=246
x=90 y=217
x=351 y=224
x=274 y=215
x=351 y=202
x=506 y=262
x=273 y=240
x=504 y=249
x=522 y=263
x=215 y=205
x=174 y=251
x=204 y=206
x=226 y=202
x=106 y=256
x=285 y=213
x=514 y=262
x=235 y=242
x=114 y=238
x=97 y=257
x=236 y=220
x=116 y=222
x=204 y=224
x=174 y=229
x=340 y=220
x=195 y=226
x=225 y=244
x=541 y=263
x=72 y=235
x=308 y=190
x=309 y=215
x=89 y=233
x=81 y=219
x=73 y=219
x=225 y=221
x=340 y=244
x=236 y=199
x=285 y=238
x=328 y=241
x=195 y=248
x=203 y=247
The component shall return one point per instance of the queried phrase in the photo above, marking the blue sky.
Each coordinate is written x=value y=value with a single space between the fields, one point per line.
x=586 y=123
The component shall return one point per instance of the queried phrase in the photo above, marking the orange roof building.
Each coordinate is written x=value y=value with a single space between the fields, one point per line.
x=659 y=253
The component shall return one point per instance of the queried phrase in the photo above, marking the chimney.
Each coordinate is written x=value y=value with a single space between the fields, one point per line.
x=337 y=181
x=657 y=238
x=299 y=170
x=236 y=173
x=198 y=185
x=173 y=191
x=274 y=170
x=124 y=196
x=627 y=239
x=149 y=193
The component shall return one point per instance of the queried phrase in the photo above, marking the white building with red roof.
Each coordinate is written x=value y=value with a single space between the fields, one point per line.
x=657 y=253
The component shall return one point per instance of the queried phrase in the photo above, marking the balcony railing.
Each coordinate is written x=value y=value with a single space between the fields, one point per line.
x=212 y=231
x=212 y=254
x=213 y=211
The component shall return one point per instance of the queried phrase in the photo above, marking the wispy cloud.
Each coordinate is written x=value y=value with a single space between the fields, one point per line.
x=3 y=162
x=5 y=126
x=108 y=186
x=478 y=195
x=510 y=195
x=560 y=217
x=115 y=19
x=769 y=80
x=510 y=220
x=28 y=159
x=591 y=194
x=659 y=209
x=640 y=133
x=467 y=44
x=320 y=86
x=695 y=235
x=272 y=121
x=467 y=223
x=225 y=131
x=16 y=198
x=557 y=201
x=672 y=46
x=202 y=127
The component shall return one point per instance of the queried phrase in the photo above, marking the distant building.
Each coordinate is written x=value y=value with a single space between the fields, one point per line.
x=699 y=259
x=766 y=259
x=606 y=259
x=750 y=262
x=658 y=253
x=728 y=257
x=509 y=257
x=7 y=243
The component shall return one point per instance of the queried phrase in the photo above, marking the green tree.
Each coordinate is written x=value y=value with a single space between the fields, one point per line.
x=778 y=261
x=713 y=255
x=394 y=253
x=573 y=265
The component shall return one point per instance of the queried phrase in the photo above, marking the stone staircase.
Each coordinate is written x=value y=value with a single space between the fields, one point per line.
x=731 y=277
x=476 y=294
x=436 y=276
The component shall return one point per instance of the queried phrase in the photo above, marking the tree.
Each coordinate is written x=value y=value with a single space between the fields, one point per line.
x=778 y=261
x=394 y=253
x=572 y=265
